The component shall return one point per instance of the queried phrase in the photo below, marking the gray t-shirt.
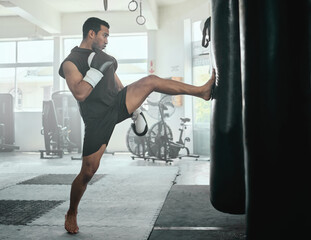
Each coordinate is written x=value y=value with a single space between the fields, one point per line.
x=103 y=94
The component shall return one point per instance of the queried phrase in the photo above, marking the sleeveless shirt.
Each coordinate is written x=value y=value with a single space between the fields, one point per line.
x=103 y=94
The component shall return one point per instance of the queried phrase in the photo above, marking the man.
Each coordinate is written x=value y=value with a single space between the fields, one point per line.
x=104 y=101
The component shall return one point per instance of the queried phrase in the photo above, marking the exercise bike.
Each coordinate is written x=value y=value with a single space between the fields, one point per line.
x=158 y=143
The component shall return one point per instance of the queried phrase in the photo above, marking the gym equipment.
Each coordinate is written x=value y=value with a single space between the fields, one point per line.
x=227 y=183
x=68 y=115
x=61 y=123
x=136 y=145
x=140 y=18
x=276 y=63
x=53 y=133
x=160 y=138
x=7 y=128
x=158 y=144
x=132 y=6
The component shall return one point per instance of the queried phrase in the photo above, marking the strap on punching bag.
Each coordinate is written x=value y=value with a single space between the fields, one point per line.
x=206 y=32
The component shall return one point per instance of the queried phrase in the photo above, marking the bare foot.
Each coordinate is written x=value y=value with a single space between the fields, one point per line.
x=71 y=223
x=207 y=92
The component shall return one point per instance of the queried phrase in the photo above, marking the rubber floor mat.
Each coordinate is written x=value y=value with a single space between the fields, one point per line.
x=21 y=212
x=188 y=214
x=58 y=179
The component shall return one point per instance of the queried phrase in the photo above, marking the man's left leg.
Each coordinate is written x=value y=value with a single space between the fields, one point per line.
x=89 y=166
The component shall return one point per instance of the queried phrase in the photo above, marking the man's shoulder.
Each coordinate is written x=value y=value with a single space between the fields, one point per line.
x=79 y=52
x=78 y=57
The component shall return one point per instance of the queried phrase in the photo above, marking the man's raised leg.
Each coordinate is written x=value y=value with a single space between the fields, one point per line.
x=138 y=91
x=90 y=165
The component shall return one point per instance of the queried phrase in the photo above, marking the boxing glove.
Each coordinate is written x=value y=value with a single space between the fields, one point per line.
x=99 y=62
x=140 y=126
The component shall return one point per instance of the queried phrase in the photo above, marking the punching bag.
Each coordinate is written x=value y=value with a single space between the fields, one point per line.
x=275 y=54
x=227 y=182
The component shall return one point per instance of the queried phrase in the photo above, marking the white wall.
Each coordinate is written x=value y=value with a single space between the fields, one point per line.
x=167 y=51
x=28 y=131
x=170 y=36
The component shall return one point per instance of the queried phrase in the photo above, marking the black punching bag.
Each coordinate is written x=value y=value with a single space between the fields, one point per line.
x=275 y=54
x=227 y=183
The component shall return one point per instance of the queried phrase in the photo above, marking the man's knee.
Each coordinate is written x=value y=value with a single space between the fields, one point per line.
x=87 y=176
x=152 y=78
x=88 y=172
x=150 y=81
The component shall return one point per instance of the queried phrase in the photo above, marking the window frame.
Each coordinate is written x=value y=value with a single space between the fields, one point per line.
x=17 y=65
x=198 y=53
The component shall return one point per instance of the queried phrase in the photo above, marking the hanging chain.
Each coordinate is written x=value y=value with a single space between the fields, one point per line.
x=140 y=19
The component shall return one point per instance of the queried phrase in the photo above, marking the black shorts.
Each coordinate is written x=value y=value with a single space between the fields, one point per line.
x=99 y=130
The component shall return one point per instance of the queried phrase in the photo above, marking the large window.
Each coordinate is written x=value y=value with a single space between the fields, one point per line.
x=70 y=43
x=131 y=52
x=26 y=67
x=26 y=71
x=201 y=72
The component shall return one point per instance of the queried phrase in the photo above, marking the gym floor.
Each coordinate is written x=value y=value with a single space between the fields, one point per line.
x=127 y=199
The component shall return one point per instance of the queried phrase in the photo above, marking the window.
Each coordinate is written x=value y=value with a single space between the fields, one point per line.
x=26 y=69
x=7 y=83
x=34 y=84
x=128 y=47
x=131 y=52
x=201 y=72
x=70 y=43
x=202 y=109
x=35 y=51
x=8 y=50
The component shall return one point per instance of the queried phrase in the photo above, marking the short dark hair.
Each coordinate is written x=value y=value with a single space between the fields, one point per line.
x=94 y=24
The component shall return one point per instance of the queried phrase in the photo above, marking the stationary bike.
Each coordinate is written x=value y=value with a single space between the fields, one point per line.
x=158 y=143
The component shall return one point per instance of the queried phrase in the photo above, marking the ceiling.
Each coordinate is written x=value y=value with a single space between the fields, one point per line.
x=72 y=6
x=47 y=14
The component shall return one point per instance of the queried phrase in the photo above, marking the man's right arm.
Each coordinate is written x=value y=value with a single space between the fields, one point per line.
x=79 y=88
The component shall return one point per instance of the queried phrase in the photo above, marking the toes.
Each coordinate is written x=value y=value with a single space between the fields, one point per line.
x=70 y=227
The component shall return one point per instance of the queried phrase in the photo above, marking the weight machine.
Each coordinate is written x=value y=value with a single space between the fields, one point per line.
x=61 y=125
x=7 y=128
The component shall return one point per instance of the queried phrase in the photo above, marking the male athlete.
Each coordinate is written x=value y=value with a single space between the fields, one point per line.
x=104 y=102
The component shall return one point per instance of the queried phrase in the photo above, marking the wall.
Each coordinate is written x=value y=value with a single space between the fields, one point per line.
x=170 y=36
x=28 y=131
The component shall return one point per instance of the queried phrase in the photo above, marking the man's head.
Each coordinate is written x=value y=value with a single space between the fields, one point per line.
x=97 y=31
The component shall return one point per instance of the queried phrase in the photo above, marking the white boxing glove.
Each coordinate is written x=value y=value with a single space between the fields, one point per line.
x=140 y=126
x=98 y=62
